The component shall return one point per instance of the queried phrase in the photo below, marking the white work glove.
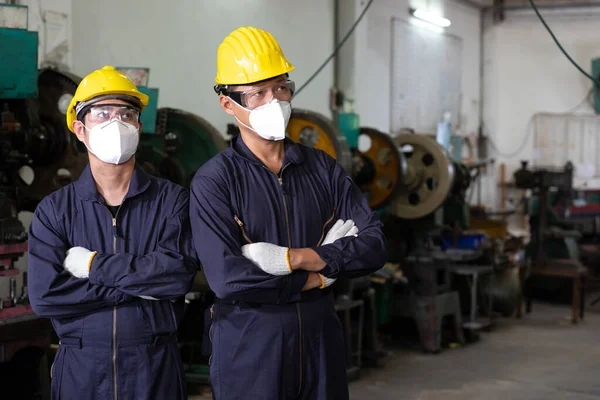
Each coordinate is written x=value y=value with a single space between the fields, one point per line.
x=79 y=261
x=339 y=230
x=269 y=257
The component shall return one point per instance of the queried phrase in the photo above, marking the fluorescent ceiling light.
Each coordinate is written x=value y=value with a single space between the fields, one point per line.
x=430 y=17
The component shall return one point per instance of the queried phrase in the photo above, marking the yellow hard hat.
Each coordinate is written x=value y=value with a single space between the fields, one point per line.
x=101 y=84
x=250 y=55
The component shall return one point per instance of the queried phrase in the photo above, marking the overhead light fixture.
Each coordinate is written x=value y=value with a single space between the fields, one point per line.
x=430 y=17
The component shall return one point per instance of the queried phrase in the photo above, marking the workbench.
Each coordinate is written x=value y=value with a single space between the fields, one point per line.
x=20 y=328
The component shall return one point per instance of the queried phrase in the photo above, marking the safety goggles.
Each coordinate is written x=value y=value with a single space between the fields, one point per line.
x=105 y=112
x=281 y=90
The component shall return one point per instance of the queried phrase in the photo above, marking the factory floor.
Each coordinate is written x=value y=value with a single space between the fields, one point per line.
x=541 y=357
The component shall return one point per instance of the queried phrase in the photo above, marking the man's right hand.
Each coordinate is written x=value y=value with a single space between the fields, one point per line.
x=312 y=282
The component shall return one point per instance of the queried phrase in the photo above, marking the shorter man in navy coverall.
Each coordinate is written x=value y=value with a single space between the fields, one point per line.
x=275 y=223
x=110 y=255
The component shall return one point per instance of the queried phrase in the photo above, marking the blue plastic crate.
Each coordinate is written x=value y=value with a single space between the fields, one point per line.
x=468 y=241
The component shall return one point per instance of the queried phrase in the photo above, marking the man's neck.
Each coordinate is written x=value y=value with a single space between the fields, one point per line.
x=112 y=180
x=271 y=153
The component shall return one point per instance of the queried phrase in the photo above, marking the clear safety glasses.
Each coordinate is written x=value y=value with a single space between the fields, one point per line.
x=106 y=112
x=282 y=90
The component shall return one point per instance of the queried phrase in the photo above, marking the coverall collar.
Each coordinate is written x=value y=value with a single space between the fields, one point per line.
x=85 y=186
x=293 y=152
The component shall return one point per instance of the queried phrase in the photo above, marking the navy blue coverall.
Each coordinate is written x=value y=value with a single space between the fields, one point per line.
x=114 y=344
x=269 y=339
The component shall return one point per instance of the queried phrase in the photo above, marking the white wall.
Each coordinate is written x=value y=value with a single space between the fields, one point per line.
x=178 y=41
x=372 y=83
x=525 y=73
x=47 y=28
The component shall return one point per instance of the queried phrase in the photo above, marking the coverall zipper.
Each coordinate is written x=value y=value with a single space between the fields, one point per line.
x=325 y=226
x=114 y=229
x=287 y=222
x=241 y=224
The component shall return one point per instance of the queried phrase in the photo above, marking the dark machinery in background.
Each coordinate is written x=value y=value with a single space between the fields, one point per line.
x=38 y=155
x=551 y=195
x=174 y=143
x=553 y=252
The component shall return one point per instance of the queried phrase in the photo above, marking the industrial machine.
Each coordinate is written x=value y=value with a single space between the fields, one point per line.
x=37 y=156
x=174 y=143
x=553 y=251
x=418 y=190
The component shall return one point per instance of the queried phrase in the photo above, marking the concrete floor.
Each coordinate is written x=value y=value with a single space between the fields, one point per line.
x=540 y=357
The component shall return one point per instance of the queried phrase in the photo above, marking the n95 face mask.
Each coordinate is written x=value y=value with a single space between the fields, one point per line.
x=270 y=120
x=114 y=141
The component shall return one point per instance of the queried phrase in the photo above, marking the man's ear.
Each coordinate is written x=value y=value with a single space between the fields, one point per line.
x=226 y=104
x=79 y=130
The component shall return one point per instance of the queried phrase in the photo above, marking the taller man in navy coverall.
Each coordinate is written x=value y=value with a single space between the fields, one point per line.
x=110 y=255
x=275 y=224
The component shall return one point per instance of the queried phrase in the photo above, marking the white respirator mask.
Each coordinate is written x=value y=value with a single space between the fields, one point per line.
x=270 y=120
x=114 y=141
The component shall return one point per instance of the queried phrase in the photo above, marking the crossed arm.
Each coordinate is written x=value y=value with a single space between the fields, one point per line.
x=55 y=292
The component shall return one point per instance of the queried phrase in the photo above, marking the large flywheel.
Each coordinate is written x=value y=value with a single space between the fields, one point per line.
x=428 y=179
x=379 y=167
x=410 y=173
x=315 y=130
x=182 y=144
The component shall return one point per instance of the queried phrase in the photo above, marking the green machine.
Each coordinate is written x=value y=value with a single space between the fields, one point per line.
x=174 y=143
x=18 y=47
x=38 y=154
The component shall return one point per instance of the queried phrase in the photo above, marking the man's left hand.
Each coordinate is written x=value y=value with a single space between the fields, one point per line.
x=79 y=261
x=272 y=259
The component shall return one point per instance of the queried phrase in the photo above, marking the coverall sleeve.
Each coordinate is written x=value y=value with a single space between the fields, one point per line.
x=53 y=291
x=166 y=273
x=218 y=243
x=353 y=256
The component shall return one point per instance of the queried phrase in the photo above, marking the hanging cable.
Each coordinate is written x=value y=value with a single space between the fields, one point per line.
x=595 y=80
x=586 y=101
x=337 y=48
x=521 y=146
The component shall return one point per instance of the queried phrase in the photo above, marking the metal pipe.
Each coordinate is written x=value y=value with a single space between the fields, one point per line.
x=336 y=39
x=481 y=94
x=336 y=58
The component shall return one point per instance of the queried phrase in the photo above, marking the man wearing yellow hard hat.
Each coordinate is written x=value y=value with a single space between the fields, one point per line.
x=275 y=223
x=109 y=257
